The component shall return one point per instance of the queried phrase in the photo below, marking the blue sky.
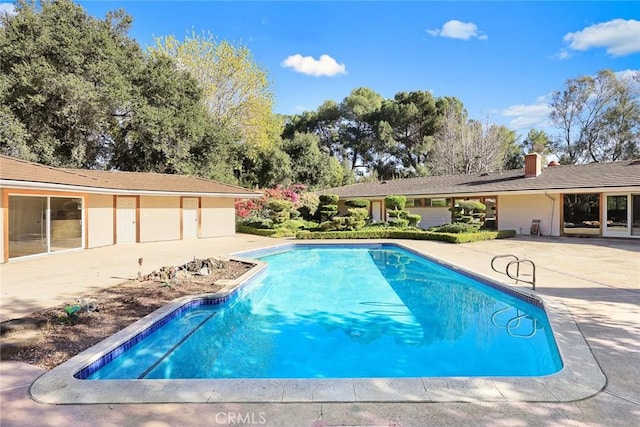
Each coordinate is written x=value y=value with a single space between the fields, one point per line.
x=502 y=59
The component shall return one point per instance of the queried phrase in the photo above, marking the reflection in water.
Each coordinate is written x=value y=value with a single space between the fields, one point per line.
x=336 y=313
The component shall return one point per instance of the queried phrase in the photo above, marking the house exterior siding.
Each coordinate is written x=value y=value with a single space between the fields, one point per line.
x=46 y=209
x=99 y=220
x=535 y=193
x=159 y=218
x=218 y=217
x=516 y=212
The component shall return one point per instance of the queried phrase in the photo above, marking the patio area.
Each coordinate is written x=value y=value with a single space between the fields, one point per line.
x=597 y=280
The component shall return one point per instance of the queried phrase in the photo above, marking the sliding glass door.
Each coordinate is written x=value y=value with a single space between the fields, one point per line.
x=65 y=223
x=44 y=224
x=27 y=226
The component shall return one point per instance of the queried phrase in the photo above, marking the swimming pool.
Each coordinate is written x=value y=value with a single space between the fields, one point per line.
x=575 y=380
x=346 y=312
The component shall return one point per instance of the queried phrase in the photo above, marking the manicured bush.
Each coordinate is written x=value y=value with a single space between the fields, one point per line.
x=327 y=212
x=309 y=203
x=359 y=234
x=456 y=227
x=259 y=223
x=358 y=213
x=329 y=199
x=293 y=224
x=401 y=223
x=414 y=219
x=328 y=206
x=280 y=205
x=469 y=211
x=358 y=203
x=371 y=233
x=395 y=203
x=273 y=232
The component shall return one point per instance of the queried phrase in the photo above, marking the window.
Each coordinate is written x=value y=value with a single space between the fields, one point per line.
x=581 y=214
x=617 y=213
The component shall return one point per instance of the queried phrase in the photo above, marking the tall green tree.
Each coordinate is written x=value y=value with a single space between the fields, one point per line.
x=598 y=118
x=236 y=89
x=66 y=79
x=536 y=141
x=263 y=167
x=310 y=165
x=358 y=129
x=166 y=122
x=407 y=124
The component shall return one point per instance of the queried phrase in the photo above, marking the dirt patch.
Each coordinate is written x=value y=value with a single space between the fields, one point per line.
x=49 y=337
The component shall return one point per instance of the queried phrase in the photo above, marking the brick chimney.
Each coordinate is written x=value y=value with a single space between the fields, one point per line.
x=532 y=165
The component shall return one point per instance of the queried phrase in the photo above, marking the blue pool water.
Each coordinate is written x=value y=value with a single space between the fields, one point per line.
x=348 y=312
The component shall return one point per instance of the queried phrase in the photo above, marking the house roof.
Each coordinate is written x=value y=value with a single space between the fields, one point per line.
x=15 y=171
x=581 y=178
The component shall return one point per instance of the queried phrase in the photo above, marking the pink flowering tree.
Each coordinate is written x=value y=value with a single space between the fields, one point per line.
x=258 y=209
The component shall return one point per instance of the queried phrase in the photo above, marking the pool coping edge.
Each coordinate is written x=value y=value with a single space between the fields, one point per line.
x=580 y=377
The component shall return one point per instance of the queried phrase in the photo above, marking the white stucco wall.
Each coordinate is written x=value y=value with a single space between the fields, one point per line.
x=159 y=218
x=218 y=217
x=99 y=219
x=516 y=213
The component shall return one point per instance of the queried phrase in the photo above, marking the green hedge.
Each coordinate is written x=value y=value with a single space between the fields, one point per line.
x=359 y=234
x=267 y=232
x=407 y=234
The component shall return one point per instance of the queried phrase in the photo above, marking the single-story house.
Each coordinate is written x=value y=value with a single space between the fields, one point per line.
x=46 y=209
x=597 y=199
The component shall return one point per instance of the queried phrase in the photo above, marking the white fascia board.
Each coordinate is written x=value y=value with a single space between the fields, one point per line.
x=27 y=185
x=635 y=189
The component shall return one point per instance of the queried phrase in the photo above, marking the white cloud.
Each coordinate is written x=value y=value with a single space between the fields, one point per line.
x=8 y=8
x=325 y=66
x=564 y=54
x=458 y=30
x=619 y=37
x=528 y=116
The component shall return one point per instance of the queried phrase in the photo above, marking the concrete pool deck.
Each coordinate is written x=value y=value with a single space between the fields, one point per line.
x=597 y=280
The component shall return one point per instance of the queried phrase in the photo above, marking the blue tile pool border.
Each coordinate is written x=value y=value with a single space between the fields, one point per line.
x=89 y=370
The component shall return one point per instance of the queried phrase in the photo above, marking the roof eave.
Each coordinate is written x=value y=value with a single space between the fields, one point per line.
x=31 y=185
x=608 y=189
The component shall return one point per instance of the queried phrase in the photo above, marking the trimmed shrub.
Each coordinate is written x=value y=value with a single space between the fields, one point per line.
x=414 y=219
x=274 y=232
x=468 y=211
x=371 y=233
x=358 y=213
x=328 y=211
x=395 y=203
x=328 y=206
x=456 y=227
x=329 y=199
x=280 y=205
x=358 y=203
x=359 y=234
x=401 y=223
x=309 y=205
x=293 y=224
